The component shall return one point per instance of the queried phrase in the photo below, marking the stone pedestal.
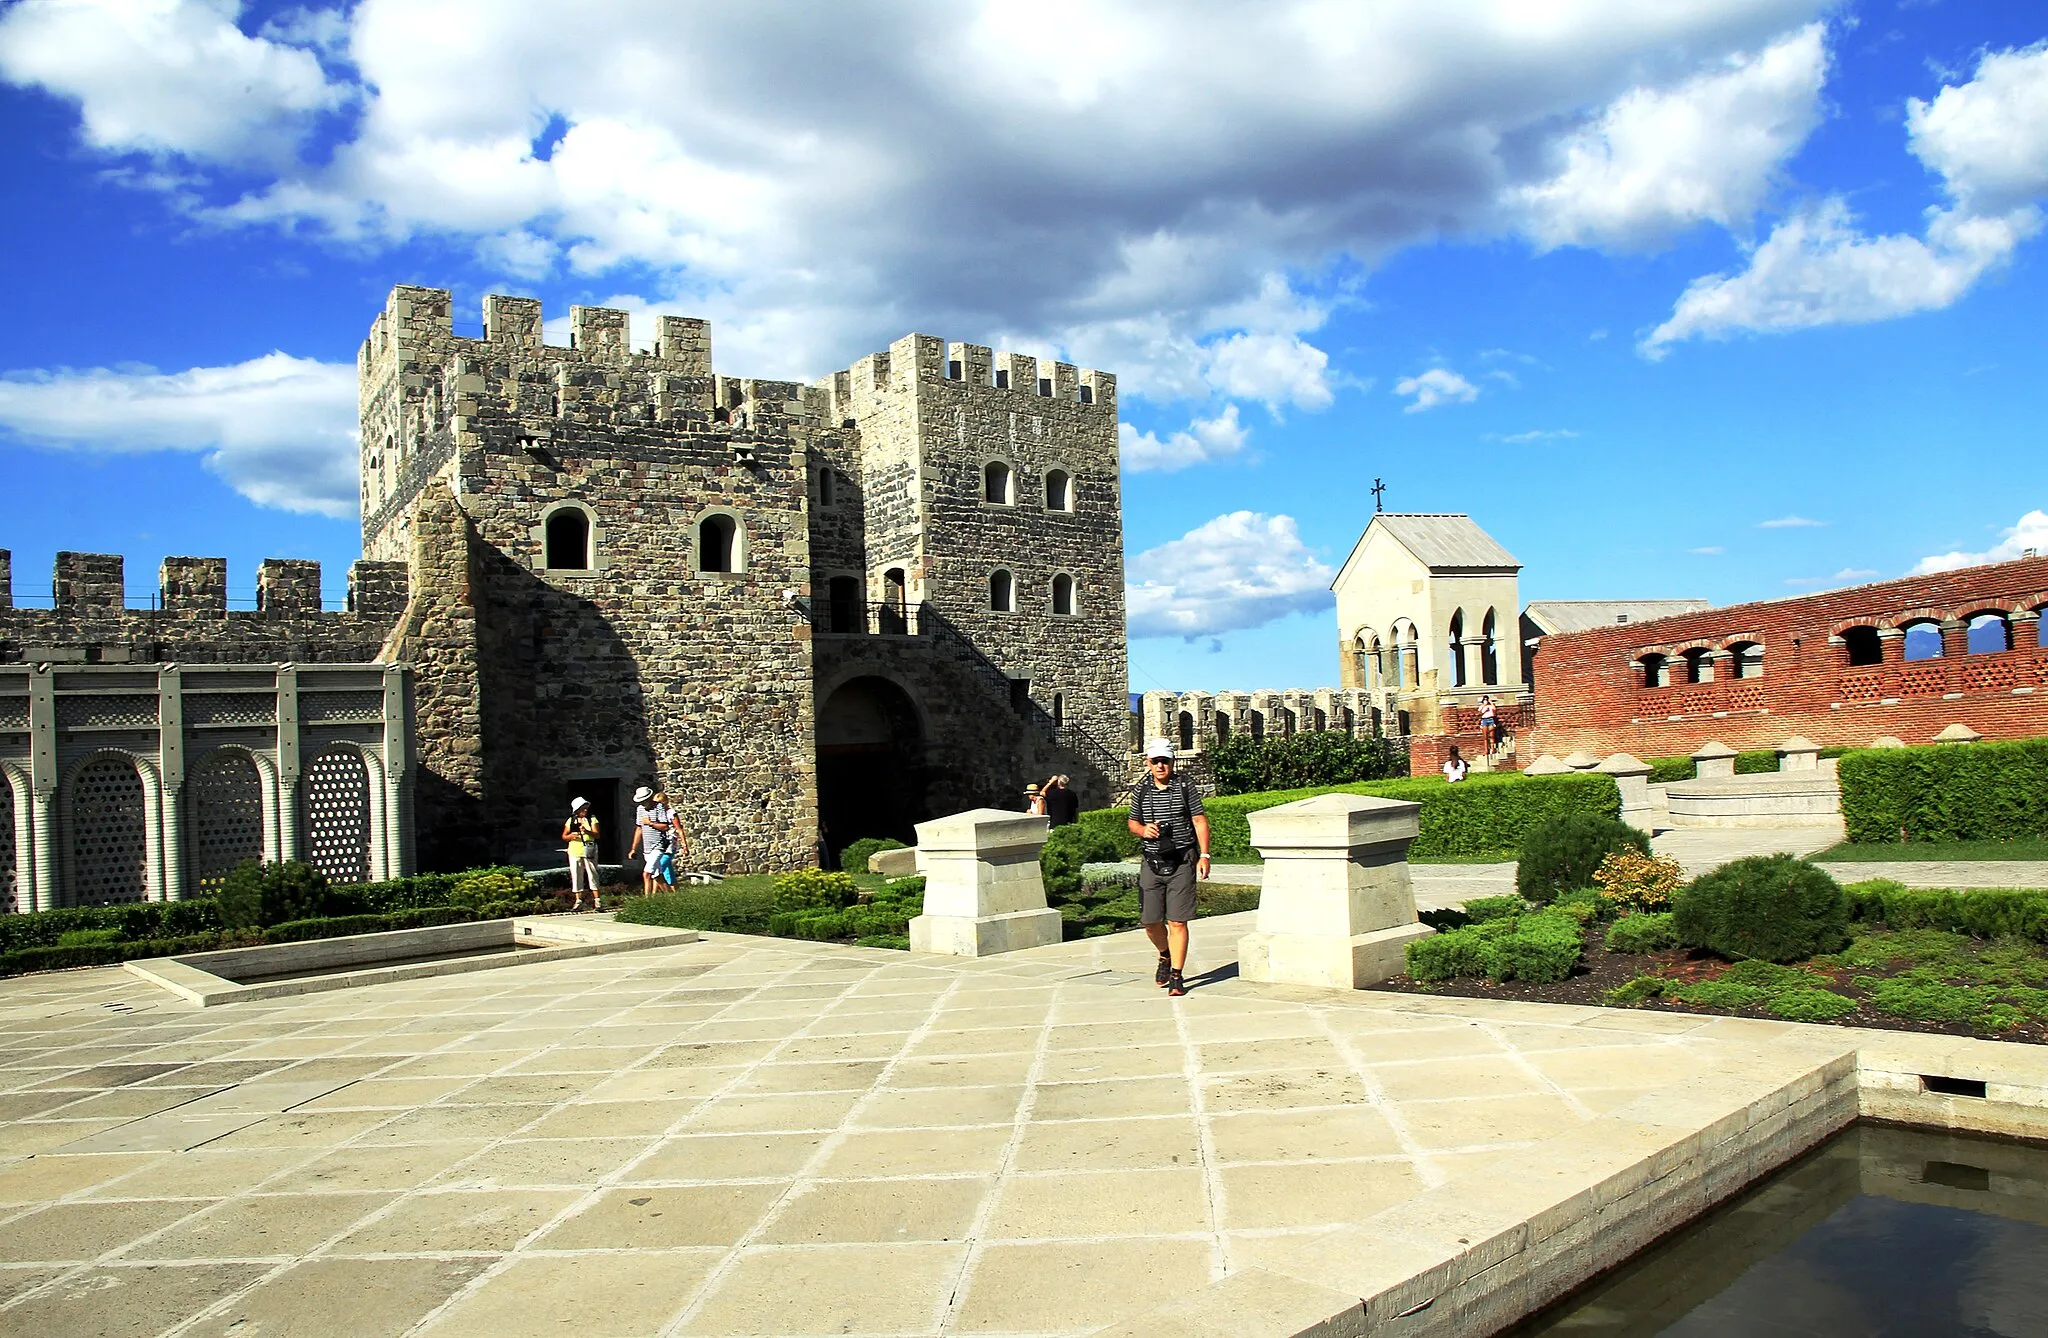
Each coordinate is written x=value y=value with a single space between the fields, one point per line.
x=1336 y=909
x=1714 y=761
x=1799 y=753
x=1632 y=777
x=982 y=892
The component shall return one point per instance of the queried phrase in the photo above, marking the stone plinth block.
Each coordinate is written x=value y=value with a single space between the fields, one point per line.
x=1632 y=777
x=1715 y=760
x=1799 y=753
x=1546 y=765
x=894 y=863
x=1336 y=908
x=982 y=892
x=1581 y=760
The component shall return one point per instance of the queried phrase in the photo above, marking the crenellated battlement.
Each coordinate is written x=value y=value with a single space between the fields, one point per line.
x=85 y=615
x=1017 y=381
x=417 y=324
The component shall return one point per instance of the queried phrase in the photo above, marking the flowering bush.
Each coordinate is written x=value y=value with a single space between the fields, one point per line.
x=1635 y=881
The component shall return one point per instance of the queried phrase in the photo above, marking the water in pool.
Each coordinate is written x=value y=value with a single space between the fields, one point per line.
x=1879 y=1233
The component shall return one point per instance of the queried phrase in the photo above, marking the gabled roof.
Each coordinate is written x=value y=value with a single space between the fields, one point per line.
x=1440 y=541
x=1553 y=616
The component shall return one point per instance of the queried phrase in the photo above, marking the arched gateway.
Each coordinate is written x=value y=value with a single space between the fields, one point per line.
x=871 y=763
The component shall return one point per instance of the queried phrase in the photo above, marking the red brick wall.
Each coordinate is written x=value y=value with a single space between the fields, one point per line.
x=1588 y=692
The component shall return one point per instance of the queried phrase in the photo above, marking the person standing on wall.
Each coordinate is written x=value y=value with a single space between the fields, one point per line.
x=1173 y=833
x=1062 y=805
x=1489 y=725
x=580 y=831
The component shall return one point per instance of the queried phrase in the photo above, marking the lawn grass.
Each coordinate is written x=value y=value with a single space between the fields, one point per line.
x=1916 y=851
x=1493 y=857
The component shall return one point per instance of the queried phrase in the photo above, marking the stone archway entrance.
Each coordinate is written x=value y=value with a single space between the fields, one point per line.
x=871 y=766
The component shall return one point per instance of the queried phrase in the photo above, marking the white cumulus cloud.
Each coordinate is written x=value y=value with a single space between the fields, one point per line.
x=1238 y=571
x=168 y=76
x=1658 y=160
x=1790 y=523
x=1436 y=387
x=2031 y=532
x=277 y=429
x=1202 y=440
x=1988 y=141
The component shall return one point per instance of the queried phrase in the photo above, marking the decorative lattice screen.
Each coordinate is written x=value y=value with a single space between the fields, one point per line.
x=230 y=708
x=224 y=818
x=7 y=885
x=337 y=791
x=109 y=857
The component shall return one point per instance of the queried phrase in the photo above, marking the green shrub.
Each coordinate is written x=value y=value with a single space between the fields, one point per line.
x=1481 y=909
x=1543 y=948
x=715 y=908
x=1563 y=853
x=854 y=859
x=1586 y=905
x=421 y=917
x=1985 y=913
x=1946 y=792
x=333 y=926
x=815 y=889
x=50 y=957
x=88 y=938
x=1765 y=975
x=1810 y=1003
x=1224 y=899
x=1449 y=954
x=1770 y=907
x=134 y=920
x=478 y=888
x=1486 y=814
x=896 y=941
x=1717 y=994
x=257 y=895
x=1640 y=990
x=1067 y=849
x=1642 y=932
x=1664 y=770
x=1244 y=765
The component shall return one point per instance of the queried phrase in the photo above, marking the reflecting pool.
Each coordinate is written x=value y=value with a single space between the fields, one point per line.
x=1879 y=1233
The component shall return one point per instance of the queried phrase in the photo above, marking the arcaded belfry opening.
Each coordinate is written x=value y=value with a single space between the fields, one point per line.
x=871 y=763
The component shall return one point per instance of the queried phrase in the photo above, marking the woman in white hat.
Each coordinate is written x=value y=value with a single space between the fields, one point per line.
x=580 y=831
x=654 y=835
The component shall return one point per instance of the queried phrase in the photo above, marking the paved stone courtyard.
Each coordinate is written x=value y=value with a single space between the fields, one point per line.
x=751 y=1137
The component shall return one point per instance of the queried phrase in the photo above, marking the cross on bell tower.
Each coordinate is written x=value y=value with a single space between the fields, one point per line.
x=1377 y=489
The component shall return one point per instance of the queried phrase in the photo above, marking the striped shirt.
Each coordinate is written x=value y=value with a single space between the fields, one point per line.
x=1173 y=807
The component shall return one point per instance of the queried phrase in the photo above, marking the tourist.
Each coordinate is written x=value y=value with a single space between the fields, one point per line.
x=1173 y=833
x=1062 y=806
x=1489 y=725
x=654 y=833
x=1454 y=766
x=1034 y=802
x=580 y=831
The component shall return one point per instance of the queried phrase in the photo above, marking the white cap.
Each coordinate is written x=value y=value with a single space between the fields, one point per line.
x=642 y=795
x=1158 y=748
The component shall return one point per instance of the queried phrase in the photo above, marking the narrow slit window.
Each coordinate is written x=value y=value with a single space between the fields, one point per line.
x=1002 y=592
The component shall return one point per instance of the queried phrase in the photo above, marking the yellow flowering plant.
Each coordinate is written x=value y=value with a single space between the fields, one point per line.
x=1634 y=881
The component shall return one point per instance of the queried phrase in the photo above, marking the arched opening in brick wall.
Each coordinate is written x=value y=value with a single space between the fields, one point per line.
x=1923 y=640
x=1989 y=632
x=1458 y=649
x=1655 y=670
x=1746 y=660
x=1863 y=645
x=871 y=764
x=2041 y=627
x=568 y=540
x=1699 y=666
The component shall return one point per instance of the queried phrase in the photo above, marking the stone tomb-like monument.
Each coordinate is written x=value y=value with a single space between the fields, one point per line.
x=1337 y=908
x=983 y=893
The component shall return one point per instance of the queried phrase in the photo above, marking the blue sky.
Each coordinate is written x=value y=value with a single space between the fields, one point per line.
x=1732 y=299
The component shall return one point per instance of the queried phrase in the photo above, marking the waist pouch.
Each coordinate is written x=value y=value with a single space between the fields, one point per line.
x=1167 y=862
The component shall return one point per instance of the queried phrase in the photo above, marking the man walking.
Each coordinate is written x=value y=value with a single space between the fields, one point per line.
x=1062 y=805
x=1167 y=818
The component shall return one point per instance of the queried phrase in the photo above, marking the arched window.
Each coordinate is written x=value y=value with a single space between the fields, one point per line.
x=568 y=540
x=1187 y=731
x=1063 y=594
x=1656 y=673
x=843 y=605
x=718 y=544
x=1059 y=490
x=2041 y=627
x=1489 y=653
x=1746 y=660
x=995 y=483
x=1458 y=649
x=1923 y=640
x=1222 y=727
x=1863 y=645
x=1989 y=633
x=1002 y=592
x=1699 y=668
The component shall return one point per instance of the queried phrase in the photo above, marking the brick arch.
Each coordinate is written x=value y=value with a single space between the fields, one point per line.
x=1861 y=620
x=2034 y=603
x=1740 y=638
x=1922 y=614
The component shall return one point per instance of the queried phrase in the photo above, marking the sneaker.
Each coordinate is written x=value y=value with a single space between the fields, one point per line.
x=1165 y=971
x=1175 y=986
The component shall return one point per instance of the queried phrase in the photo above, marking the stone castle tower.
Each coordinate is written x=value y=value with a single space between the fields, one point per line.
x=892 y=593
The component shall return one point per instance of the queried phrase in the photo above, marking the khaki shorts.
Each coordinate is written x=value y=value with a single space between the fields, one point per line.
x=1169 y=897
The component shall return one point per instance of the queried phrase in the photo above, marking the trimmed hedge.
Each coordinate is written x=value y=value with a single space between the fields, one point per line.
x=54 y=958
x=1244 y=765
x=854 y=859
x=1992 y=912
x=134 y=921
x=1773 y=908
x=716 y=908
x=1749 y=763
x=1946 y=792
x=1541 y=948
x=1483 y=815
